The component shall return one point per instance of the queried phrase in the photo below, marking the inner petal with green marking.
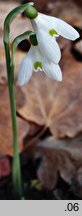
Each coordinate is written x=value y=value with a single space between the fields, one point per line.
x=53 y=32
x=38 y=65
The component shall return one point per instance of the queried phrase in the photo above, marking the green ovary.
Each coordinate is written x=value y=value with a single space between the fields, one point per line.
x=38 y=65
x=53 y=32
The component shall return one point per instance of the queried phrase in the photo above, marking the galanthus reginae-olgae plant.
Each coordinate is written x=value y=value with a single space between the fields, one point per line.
x=44 y=55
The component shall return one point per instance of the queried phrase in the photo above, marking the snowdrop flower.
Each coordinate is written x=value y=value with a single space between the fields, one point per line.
x=47 y=28
x=45 y=55
x=35 y=61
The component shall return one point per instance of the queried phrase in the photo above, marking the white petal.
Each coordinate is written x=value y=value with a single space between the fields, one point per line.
x=62 y=28
x=65 y=30
x=52 y=70
x=25 y=71
x=41 y=22
x=48 y=45
x=36 y=57
x=35 y=53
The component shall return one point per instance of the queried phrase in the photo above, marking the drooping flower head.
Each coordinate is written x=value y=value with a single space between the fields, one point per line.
x=35 y=61
x=45 y=54
x=49 y=26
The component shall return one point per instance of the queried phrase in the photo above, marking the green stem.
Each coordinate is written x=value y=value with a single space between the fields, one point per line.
x=31 y=13
x=16 y=170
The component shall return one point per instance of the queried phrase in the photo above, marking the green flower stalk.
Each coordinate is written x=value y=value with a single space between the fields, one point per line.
x=16 y=169
x=16 y=160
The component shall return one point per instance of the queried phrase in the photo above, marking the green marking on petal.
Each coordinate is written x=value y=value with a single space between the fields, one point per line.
x=53 y=32
x=38 y=65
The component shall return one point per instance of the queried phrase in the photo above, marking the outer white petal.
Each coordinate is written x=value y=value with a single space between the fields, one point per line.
x=25 y=70
x=65 y=30
x=35 y=53
x=36 y=56
x=41 y=22
x=62 y=28
x=48 y=45
x=52 y=70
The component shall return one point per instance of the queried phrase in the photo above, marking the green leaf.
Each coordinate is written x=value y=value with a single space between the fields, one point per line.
x=11 y=16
